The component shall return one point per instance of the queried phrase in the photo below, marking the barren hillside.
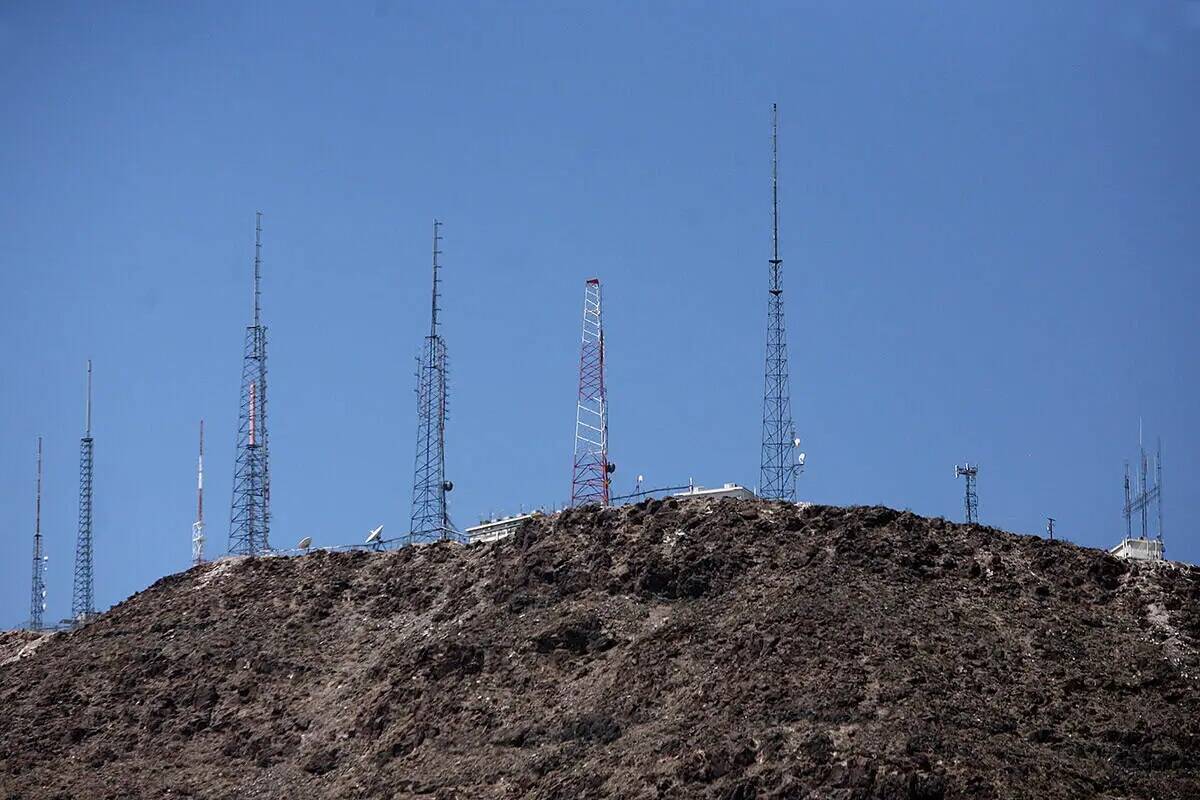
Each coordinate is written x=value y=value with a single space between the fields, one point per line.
x=732 y=649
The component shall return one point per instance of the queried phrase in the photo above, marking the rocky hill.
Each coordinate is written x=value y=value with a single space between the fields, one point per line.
x=732 y=649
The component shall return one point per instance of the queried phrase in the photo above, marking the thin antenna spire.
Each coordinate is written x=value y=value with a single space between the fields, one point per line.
x=776 y=261
x=257 y=269
x=37 y=594
x=433 y=317
x=88 y=422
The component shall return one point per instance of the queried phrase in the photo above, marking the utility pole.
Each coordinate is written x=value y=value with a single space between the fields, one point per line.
x=37 y=595
x=198 y=525
x=971 y=503
x=430 y=520
x=83 y=599
x=591 y=470
x=779 y=464
x=250 y=514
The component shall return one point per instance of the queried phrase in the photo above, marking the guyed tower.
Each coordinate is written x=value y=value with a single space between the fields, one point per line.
x=780 y=460
x=250 y=514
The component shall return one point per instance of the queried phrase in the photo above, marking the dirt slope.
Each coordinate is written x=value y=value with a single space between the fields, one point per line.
x=738 y=649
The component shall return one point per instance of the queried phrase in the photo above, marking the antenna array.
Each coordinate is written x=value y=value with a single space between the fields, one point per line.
x=1144 y=492
x=971 y=502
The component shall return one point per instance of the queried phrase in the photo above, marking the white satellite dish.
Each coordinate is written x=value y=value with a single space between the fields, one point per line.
x=305 y=543
x=374 y=535
x=796 y=442
x=641 y=478
x=800 y=459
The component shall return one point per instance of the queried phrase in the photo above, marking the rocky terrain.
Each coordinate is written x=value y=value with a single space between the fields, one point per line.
x=699 y=649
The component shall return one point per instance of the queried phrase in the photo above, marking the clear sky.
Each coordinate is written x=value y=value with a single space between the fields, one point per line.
x=989 y=231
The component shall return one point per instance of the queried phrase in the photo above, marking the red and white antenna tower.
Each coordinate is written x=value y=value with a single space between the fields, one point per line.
x=198 y=525
x=591 y=471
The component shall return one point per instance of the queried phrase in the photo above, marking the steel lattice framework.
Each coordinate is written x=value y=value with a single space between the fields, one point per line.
x=971 y=501
x=37 y=595
x=83 y=600
x=778 y=466
x=198 y=525
x=430 y=520
x=250 y=515
x=590 y=474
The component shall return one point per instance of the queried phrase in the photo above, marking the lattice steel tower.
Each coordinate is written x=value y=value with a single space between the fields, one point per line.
x=779 y=464
x=37 y=595
x=430 y=518
x=250 y=515
x=971 y=502
x=198 y=525
x=83 y=599
x=590 y=476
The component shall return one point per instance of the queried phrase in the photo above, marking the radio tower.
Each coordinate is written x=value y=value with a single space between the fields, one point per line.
x=430 y=519
x=590 y=475
x=37 y=597
x=83 y=601
x=778 y=466
x=971 y=502
x=250 y=516
x=198 y=525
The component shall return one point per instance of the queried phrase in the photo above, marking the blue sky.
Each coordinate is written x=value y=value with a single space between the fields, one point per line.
x=988 y=226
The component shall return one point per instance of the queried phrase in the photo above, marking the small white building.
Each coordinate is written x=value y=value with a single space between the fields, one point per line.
x=1139 y=549
x=728 y=490
x=495 y=529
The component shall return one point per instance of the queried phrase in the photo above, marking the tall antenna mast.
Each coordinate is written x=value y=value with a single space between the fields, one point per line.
x=430 y=521
x=198 y=525
x=780 y=462
x=83 y=600
x=1158 y=488
x=590 y=475
x=971 y=501
x=37 y=595
x=250 y=513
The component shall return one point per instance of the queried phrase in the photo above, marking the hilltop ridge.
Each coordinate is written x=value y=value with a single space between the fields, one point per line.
x=699 y=649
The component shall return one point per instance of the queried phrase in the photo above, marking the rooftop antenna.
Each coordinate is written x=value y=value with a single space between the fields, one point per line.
x=37 y=595
x=778 y=466
x=83 y=601
x=1141 y=493
x=198 y=525
x=430 y=520
x=250 y=513
x=971 y=503
x=591 y=470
